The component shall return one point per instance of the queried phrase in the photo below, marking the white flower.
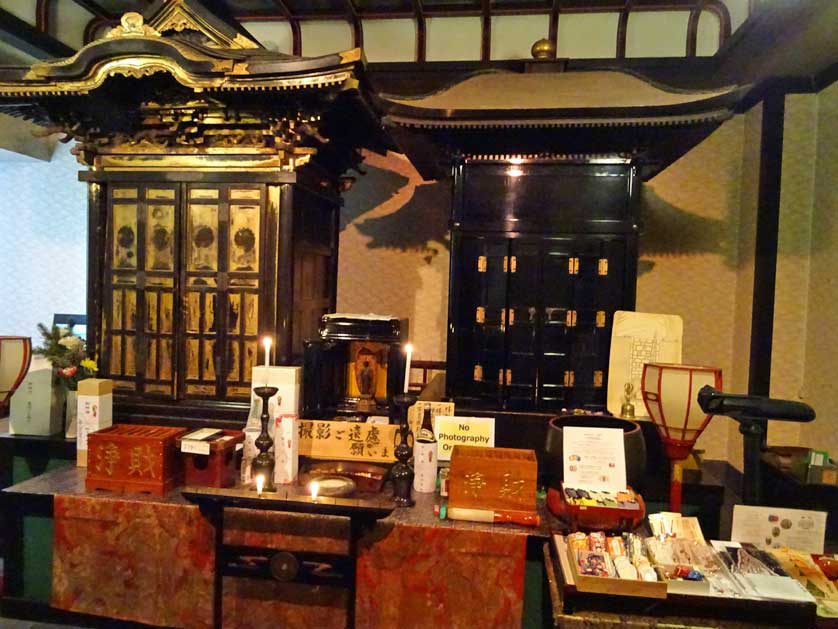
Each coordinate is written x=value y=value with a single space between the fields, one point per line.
x=72 y=343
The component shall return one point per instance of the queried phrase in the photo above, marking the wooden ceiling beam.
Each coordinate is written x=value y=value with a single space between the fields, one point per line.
x=421 y=31
x=30 y=40
x=43 y=15
x=485 y=30
x=553 y=30
x=622 y=29
x=355 y=22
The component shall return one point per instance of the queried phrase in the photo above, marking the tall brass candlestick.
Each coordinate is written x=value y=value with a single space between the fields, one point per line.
x=401 y=473
x=264 y=461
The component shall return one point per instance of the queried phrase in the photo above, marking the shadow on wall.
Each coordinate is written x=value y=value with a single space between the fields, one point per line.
x=376 y=187
x=668 y=230
x=421 y=220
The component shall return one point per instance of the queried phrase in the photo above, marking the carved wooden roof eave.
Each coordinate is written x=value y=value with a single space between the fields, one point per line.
x=693 y=108
x=652 y=129
x=180 y=15
x=194 y=66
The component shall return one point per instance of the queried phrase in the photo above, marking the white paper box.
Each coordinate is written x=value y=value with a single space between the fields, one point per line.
x=288 y=381
x=37 y=407
x=95 y=411
x=286 y=449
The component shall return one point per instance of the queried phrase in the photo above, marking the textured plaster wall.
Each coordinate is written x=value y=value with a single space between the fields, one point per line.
x=43 y=240
x=819 y=384
x=689 y=255
x=394 y=250
x=793 y=262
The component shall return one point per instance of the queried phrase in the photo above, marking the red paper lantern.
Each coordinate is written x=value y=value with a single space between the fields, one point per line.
x=670 y=394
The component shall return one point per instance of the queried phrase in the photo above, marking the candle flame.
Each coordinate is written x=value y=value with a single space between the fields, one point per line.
x=408 y=348
x=260 y=483
x=315 y=487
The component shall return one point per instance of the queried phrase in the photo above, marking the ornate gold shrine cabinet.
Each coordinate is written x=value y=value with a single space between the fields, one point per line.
x=213 y=197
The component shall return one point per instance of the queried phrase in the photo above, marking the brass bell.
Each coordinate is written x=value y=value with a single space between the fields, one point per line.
x=627 y=408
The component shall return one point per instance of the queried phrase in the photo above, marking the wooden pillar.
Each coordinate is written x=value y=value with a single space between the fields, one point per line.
x=765 y=253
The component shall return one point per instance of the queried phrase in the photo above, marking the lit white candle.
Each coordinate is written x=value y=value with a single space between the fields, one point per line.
x=315 y=487
x=267 y=343
x=409 y=351
x=260 y=483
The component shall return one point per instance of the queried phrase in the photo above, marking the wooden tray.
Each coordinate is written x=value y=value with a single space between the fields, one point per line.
x=686 y=607
x=603 y=585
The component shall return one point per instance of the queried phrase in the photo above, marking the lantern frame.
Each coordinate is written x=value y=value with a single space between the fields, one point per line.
x=5 y=395
x=678 y=441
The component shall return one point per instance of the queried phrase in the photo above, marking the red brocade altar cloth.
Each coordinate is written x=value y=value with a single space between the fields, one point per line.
x=146 y=561
x=151 y=560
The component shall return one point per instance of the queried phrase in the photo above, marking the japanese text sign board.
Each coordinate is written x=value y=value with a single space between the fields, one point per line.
x=349 y=441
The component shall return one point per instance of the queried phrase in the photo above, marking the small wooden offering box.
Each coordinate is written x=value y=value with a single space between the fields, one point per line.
x=500 y=479
x=134 y=458
x=216 y=469
x=595 y=517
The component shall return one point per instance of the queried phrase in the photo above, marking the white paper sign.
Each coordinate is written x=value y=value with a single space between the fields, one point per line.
x=463 y=431
x=594 y=458
x=638 y=338
x=773 y=527
x=194 y=446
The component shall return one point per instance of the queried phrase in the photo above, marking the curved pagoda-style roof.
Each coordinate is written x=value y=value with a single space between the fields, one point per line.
x=556 y=114
x=182 y=80
x=137 y=49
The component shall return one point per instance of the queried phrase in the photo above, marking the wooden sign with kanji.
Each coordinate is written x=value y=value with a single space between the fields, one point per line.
x=499 y=479
x=347 y=441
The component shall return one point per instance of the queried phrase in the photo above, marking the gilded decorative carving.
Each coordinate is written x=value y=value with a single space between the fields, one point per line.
x=176 y=16
x=131 y=25
x=192 y=122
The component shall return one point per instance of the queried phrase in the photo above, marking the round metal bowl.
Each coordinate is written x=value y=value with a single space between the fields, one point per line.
x=333 y=485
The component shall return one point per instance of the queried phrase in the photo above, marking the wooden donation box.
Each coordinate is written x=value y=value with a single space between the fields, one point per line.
x=134 y=458
x=212 y=462
x=214 y=186
x=499 y=479
x=354 y=367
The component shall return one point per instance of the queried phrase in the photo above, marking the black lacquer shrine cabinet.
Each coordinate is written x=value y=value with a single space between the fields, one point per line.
x=542 y=255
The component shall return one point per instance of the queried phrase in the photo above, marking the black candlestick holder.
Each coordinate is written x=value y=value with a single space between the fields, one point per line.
x=401 y=472
x=264 y=461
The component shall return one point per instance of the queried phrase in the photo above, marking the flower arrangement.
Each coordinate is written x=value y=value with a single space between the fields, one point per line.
x=68 y=355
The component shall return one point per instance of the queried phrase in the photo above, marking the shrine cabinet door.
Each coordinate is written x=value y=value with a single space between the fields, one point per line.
x=477 y=338
x=555 y=294
x=522 y=322
x=224 y=234
x=583 y=284
x=140 y=287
